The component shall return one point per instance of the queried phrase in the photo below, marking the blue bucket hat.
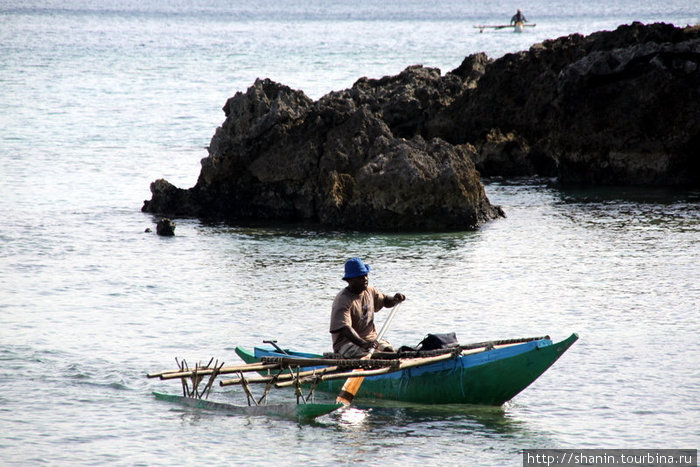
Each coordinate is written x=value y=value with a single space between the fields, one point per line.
x=354 y=267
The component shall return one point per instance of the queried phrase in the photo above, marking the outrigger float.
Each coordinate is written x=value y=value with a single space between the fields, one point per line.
x=488 y=373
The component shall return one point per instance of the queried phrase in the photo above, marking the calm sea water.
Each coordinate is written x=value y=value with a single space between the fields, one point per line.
x=99 y=99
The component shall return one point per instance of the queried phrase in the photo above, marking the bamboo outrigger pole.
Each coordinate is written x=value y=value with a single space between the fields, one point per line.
x=402 y=365
x=281 y=377
x=207 y=371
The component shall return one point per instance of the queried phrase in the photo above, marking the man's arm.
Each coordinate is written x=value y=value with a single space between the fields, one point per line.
x=390 y=302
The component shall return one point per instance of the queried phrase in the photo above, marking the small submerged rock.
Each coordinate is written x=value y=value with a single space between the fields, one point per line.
x=165 y=227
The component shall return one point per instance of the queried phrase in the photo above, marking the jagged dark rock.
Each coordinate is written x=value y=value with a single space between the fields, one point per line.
x=615 y=107
x=634 y=116
x=337 y=161
x=510 y=155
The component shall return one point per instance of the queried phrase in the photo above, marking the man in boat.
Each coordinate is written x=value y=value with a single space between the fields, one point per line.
x=352 y=315
x=518 y=17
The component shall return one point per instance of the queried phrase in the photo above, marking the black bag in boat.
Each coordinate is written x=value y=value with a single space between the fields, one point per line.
x=438 y=341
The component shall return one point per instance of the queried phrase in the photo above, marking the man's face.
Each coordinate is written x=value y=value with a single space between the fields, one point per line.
x=358 y=284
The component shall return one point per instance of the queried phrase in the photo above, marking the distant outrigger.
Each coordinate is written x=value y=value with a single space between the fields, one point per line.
x=518 y=26
x=517 y=22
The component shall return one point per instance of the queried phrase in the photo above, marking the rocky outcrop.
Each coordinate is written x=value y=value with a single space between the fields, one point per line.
x=338 y=161
x=615 y=107
x=633 y=116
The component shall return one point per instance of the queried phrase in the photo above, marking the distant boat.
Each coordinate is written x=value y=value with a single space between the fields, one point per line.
x=519 y=26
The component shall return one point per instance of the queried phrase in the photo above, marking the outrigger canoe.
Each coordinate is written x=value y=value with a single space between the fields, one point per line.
x=487 y=373
x=517 y=27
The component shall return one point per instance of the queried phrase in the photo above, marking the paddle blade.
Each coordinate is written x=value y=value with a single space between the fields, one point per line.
x=350 y=388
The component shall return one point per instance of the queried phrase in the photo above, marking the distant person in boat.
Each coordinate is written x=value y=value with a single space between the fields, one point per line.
x=518 y=17
x=352 y=315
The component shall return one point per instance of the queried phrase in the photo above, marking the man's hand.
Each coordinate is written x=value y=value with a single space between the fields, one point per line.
x=369 y=344
x=390 y=302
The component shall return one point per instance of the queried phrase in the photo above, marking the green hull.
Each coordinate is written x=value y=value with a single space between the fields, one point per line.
x=492 y=377
x=300 y=412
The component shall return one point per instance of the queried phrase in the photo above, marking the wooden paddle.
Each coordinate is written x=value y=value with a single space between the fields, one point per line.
x=352 y=385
